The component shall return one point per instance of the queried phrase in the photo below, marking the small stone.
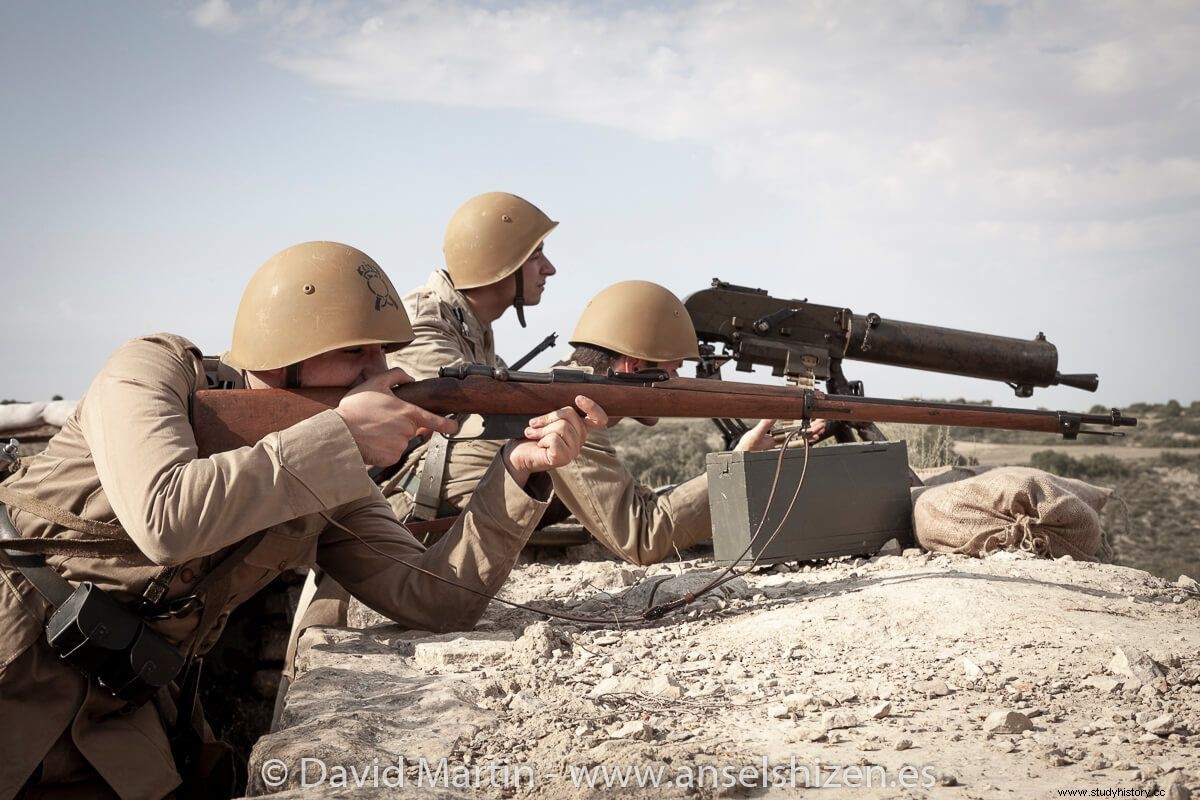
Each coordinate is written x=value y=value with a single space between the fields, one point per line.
x=912 y=552
x=904 y=744
x=1177 y=791
x=1161 y=726
x=1103 y=683
x=608 y=669
x=778 y=711
x=934 y=688
x=1056 y=758
x=452 y=650
x=1191 y=584
x=880 y=711
x=634 y=729
x=606 y=640
x=891 y=547
x=1136 y=664
x=665 y=687
x=1007 y=722
x=1099 y=763
x=832 y=720
x=845 y=695
x=524 y=700
x=970 y=668
x=1147 y=738
x=946 y=779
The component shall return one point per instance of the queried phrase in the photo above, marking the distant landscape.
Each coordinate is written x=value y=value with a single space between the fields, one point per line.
x=1152 y=520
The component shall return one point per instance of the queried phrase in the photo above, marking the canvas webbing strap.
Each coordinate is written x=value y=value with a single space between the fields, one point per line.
x=48 y=583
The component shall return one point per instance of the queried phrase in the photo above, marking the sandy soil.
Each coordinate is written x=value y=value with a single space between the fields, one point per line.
x=996 y=678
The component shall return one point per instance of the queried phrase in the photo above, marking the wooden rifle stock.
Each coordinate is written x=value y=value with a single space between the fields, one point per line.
x=226 y=419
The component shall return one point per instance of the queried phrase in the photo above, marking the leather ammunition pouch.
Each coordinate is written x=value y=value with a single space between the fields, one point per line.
x=103 y=639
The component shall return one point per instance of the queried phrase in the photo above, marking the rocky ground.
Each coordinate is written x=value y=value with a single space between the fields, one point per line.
x=926 y=675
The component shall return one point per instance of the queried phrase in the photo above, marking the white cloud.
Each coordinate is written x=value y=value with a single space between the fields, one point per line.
x=977 y=112
x=216 y=15
x=963 y=139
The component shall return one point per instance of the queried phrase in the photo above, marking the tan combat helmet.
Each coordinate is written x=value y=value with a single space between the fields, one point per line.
x=639 y=319
x=313 y=298
x=490 y=237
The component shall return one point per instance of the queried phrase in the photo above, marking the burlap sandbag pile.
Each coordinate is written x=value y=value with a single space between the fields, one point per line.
x=1012 y=508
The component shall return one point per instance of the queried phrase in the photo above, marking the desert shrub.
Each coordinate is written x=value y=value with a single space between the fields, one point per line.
x=670 y=452
x=929 y=446
x=1088 y=468
x=1173 y=459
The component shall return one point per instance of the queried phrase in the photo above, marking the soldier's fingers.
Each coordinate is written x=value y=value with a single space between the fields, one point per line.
x=763 y=426
x=546 y=419
x=386 y=380
x=570 y=431
x=555 y=449
x=594 y=415
x=420 y=418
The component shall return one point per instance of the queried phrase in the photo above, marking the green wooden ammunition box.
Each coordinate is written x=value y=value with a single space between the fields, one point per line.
x=855 y=497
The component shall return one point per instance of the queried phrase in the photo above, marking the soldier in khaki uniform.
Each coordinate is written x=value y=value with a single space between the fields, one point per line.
x=627 y=327
x=120 y=499
x=494 y=261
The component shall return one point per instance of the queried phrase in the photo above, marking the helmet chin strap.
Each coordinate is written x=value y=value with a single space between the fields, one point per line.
x=519 y=297
x=291 y=378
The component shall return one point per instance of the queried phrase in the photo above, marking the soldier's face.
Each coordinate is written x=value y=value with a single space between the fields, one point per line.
x=670 y=367
x=347 y=367
x=536 y=269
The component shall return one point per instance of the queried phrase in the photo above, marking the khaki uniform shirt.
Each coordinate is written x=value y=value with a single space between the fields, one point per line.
x=446 y=333
x=128 y=456
x=627 y=517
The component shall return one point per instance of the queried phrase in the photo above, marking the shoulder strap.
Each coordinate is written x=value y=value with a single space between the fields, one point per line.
x=103 y=540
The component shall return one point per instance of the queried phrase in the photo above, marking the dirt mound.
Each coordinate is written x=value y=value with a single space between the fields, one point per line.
x=997 y=676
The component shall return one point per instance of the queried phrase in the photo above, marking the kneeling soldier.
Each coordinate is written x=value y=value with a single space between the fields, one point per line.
x=119 y=510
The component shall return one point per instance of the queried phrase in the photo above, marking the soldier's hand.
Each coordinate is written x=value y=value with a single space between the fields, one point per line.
x=757 y=438
x=382 y=423
x=554 y=439
x=816 y=429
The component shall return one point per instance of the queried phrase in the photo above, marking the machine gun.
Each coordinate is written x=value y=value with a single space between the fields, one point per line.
x=805 y=342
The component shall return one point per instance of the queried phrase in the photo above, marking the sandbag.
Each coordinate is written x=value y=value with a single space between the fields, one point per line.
x=57 y=412
x=20 y=415
x=1012 y=508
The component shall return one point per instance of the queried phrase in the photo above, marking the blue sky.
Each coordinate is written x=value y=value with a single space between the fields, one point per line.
x=1004 y=167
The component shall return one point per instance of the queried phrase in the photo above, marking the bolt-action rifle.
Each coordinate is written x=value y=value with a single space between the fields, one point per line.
x=805 y=342
x=230 y=418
